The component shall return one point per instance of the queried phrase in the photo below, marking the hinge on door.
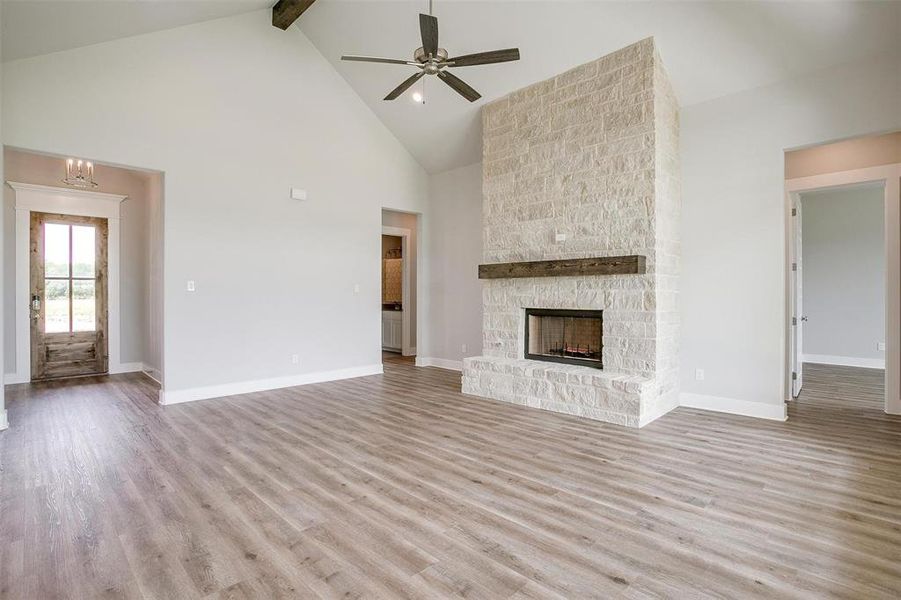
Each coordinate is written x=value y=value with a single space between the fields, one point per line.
x=794 y=266
x=794 y=320
x=794 y=212
x=794 y=376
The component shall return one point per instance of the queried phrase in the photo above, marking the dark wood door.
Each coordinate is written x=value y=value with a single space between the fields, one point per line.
x=68 y=296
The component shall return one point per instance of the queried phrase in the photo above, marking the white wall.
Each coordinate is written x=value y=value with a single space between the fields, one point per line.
x=153 y=348
x=455 y=248
x=734 y=245
x=843 y=271
x=235 y=112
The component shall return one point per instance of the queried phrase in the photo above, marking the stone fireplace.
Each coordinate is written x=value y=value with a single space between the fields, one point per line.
x=582 y=166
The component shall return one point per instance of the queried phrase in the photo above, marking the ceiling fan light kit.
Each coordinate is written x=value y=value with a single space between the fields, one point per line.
x=430 y=59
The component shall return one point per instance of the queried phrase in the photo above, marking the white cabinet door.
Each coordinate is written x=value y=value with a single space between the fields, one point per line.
x=397 y=334
x=392 y=330
x=386 y=332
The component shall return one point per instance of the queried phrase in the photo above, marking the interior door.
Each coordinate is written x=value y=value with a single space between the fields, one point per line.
x=798 y=317
x=68 y=296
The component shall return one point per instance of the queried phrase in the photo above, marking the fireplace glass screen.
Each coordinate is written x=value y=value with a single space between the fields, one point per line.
x=565 y=336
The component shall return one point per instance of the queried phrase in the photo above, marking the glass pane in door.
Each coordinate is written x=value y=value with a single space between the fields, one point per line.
x=56 y=250
x=83 y=251
x=56 y=308
x=84 y=305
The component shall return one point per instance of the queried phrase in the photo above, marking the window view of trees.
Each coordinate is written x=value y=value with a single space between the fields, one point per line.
x=69 y=271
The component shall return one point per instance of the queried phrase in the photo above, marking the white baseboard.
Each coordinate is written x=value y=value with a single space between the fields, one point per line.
x=844 y=361
x=13 y=378
x=4 y=423
x=132 y=367
x=761 y=410
x=260 y=385
x=442 y=363
x=153 y=374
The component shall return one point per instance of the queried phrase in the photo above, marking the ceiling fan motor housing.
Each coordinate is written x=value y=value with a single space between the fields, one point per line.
x=420 y=55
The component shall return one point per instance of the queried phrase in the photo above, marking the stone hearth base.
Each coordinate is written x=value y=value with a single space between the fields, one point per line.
x=574 y=390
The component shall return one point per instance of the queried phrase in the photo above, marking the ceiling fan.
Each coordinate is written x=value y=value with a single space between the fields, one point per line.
x=432 y=60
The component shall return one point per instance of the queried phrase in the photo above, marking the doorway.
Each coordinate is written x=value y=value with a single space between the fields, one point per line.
x=58 y=292
x=398 y=263
x=68 y=265
x=843 y=272
x=839 y=280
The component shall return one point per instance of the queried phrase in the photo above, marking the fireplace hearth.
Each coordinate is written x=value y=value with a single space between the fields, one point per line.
x=565 y=336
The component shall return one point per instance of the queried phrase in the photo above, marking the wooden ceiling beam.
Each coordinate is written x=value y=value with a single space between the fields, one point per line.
x=286 y=12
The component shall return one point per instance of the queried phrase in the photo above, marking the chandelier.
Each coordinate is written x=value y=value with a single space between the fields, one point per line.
x=80 y=174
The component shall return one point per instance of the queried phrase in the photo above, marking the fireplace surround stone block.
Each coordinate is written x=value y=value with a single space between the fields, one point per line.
x=592 y=153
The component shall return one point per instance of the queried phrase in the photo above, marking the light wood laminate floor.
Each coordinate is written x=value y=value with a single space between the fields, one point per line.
x=399 y=486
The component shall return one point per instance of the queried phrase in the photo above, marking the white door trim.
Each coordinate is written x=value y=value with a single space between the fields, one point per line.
x=797 y=297
x=405 y=234
x=890 y=175
x=42 y=198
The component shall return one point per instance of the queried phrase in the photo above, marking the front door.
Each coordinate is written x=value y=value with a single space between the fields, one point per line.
x=68 y=296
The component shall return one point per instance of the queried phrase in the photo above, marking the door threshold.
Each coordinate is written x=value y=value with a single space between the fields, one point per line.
x=67 y=377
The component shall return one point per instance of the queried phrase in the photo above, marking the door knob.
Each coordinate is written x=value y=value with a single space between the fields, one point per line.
x=803 y=318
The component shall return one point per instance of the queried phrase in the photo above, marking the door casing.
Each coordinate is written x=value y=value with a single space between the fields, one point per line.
x=797 y=312
x=50 y=199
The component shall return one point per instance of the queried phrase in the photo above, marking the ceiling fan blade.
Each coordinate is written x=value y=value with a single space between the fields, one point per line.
x=404 y=86
x=485 y=58
x=376 y=59
x=459 y=86
x=428 y=27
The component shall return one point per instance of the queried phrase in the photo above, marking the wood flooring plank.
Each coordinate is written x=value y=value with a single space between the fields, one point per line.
x=398 y=486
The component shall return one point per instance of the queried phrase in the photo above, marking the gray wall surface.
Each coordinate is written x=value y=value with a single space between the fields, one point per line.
x=843 y=271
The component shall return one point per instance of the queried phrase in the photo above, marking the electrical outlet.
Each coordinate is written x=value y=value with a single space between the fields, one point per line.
x=559 y=237
x=295 y=359
x=463 y=348
x=880 y=346
x=699 y=374
x=191 y=287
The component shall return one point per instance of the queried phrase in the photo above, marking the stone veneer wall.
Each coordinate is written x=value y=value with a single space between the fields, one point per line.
x=592 y=153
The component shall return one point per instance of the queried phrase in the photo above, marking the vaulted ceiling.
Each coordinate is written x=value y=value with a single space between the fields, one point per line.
x=710 y=49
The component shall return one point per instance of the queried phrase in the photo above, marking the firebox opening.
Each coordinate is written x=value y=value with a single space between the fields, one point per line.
x=565 y=336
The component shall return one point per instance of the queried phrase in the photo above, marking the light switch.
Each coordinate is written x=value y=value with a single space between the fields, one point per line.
x=298 y=194
x=190 y=285
x=356 y=288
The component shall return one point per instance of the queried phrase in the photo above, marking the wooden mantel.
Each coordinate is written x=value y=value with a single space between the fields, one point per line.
x=568 y=267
